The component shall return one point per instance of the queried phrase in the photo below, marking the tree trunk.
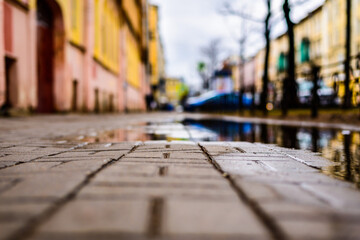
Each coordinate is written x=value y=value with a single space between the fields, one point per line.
x=347 y=97
x=285 y=100
x=291 y=86
x=242 y=73
x=315 y=95
x=264 y=94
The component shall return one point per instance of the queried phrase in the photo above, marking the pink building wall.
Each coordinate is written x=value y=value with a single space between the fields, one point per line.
x=18 y=50
x=122 y=62
x=71 y=63
x=2 y=70
x=106 y=83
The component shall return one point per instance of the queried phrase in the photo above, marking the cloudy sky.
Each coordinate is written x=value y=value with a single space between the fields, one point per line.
x=188 y=25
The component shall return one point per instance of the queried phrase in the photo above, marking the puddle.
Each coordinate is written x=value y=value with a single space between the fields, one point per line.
x=340 y=146
x=128 y=134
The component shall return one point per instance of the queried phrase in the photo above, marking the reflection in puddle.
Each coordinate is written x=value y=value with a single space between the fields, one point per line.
x=342 y=147
x=129 y=134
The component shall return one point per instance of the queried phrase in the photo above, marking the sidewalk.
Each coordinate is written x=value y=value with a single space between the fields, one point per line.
x=166 y=190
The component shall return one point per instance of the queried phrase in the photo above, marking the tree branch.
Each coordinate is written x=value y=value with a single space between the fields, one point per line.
x=228 y=10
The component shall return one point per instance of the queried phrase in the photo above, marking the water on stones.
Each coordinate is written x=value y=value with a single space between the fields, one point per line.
x=338 y=145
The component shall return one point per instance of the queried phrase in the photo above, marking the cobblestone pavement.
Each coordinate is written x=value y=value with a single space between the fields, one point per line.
x=53 y=189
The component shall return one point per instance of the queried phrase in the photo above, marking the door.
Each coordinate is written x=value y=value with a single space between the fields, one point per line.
x=45 y=62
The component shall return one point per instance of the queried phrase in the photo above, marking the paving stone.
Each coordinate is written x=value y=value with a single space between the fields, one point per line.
x=85 y=166
x=44 y=186
x=295 y=193
x=5 y=164
x=4 y=145
x=188 y=155
x=307 y=229
x=224 y=147
x=258 y=192
x=15 y=212
x=153 y=145
x=242 y=168
x=9 y=228
x=112 y=154
x=250 y=147
x=107 y=146
x=73 y=154
x=49 y=151
x=92 y=217
x=308 y=158
x=29 y=168
x=148 y=154
x=165 y=160
x=214 y=149
x=249 y=157
x=297 y=178
x=337 y=196
x=88 y=236
x=171 y=150
x=158 y=181
x=189 y=146
x=131 y=169
x=7 y=182
x=174 y=155
x=20 y=157
x=193 y=172
x=69 y=159
x=290 y=166
x=131 y=191
x=290 y=210
x=20 y=149
x=197 y=201
x=212 y=218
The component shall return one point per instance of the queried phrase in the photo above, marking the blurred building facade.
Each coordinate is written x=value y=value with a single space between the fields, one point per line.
x=175 y=91
x=65 y=55
x=156 y=51
x=319 y=40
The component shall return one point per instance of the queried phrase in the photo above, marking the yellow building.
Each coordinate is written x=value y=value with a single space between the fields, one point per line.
x=106 y=31
x=91 y=56
x=319 y=39
x=156 y=54
x=334 y=42
x=175 y=90
x=233 y=62
x=153 y=44
x=308 y=43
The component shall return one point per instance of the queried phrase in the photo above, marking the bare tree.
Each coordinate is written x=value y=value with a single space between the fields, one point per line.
x=315 y=95
x=265 y=79
x=242 y=43
x=267 y=26
x=290 y=91
x=211 y=52
x=290 y=98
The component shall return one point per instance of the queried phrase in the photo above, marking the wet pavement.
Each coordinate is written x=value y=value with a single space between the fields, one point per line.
x=161 y=176
x=340 y=145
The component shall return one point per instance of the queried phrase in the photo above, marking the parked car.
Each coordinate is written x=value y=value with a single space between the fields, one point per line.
x=326 y=94
x=213 y=101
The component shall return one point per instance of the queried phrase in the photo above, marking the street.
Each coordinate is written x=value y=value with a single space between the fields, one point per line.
x=61 y=179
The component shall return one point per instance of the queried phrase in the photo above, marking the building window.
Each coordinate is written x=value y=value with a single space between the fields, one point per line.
x=282 y=62
x=305 y=50
x=74 y=12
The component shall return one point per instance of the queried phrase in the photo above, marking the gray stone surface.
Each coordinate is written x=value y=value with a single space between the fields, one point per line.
x=162 y=189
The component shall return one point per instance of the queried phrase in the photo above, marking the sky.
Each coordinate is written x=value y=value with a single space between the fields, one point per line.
x=188 y=25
